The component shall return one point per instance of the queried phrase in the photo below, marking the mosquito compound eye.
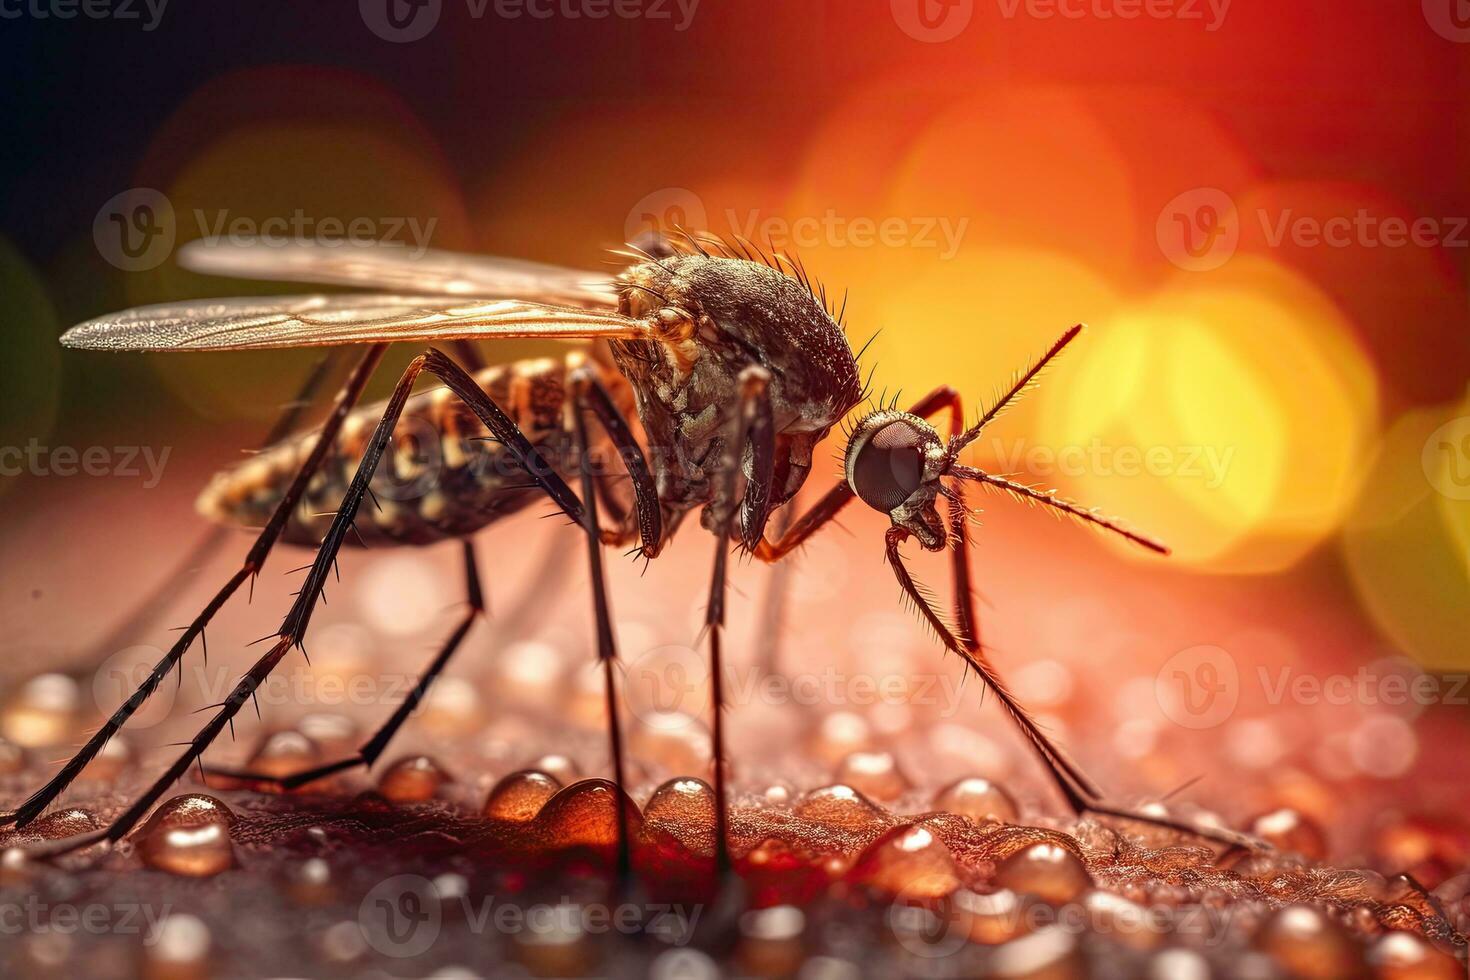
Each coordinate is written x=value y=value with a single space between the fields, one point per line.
x=886 y=465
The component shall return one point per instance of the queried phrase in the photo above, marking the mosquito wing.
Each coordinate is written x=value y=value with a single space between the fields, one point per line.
x=250 y=323
x=400 y=269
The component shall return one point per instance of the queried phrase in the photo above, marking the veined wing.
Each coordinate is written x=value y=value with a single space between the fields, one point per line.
x=249 y=323
x=400 y=269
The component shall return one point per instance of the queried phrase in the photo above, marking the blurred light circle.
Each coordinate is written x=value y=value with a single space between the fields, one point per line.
x=1407 y=544
x=1228 y=415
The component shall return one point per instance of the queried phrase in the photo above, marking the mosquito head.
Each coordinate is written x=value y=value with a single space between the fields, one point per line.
x=894 y=462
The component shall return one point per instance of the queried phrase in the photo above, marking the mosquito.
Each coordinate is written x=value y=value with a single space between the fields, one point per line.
x=735 y=366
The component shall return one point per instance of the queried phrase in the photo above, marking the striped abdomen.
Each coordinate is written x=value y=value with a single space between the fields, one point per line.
x=442 y=477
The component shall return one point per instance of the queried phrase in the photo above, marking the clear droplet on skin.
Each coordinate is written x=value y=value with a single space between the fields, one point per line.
x=1122 y=921
x=415 y=779
x=685 y=808
x=1049 y=953
x=311 y=882
x=179 y=951
x=995 y=917
x=188 y=836
x=770 y=941
x=1179 y=964
x=553 y=943
x=875 y=774
x=452 y=708
x=559 y=767
x=284 y=754
x=112 y=761
x=839 y=735
x=840 y=806
x=64 y=823
x=15 y=867
x=1049 y=871
x=1308 y=945
x=331 y=732
x=1404 y=956
x=43 y=712
x=520 y=796
x=978 y=799
x=908 y=861
x=1287 y=830
x=673 y=742
x=584 y=814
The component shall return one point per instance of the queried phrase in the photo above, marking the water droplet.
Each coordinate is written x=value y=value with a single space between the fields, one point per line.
x=64 y=823
x=452 y=708
x=584 y=815
x=993 y=918
x=840 y=806
x=415 y=779
x=331 y=732
x=908 y=861
x=875 y=774
x=180 y=950
x=188 y=836
x=1287 y=830
x=310 y=882
x=1049 y=953
x=1179 y=964
x=43 y=712
x=770 y=943
x=839 y=735
x=1049 y=871
x=284 y=754
x=521 y=795
x=1404 y=956
x=978 y=799
x=674 y=742
x=1307 y=944
x=559 y=767
x=1122 y=921
x=685 y=808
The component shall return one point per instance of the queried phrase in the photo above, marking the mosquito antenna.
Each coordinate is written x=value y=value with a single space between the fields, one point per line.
x=1049 y=499
x=1021 y=384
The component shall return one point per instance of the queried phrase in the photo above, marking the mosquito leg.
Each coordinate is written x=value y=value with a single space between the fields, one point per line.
x=151 y=608
x=374 y=747
x=753 y=408
x=583 y=386
x=293 y=628
x=254 y=561
x=1081 y=795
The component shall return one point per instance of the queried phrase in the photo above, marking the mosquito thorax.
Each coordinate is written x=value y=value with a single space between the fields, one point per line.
x=718 y=316
x=893 y=463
